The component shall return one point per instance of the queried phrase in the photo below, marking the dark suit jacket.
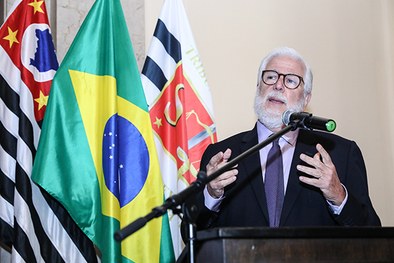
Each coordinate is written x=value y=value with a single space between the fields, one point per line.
x=245 y=203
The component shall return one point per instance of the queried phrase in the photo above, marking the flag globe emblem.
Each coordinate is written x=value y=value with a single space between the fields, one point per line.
x=127 y=171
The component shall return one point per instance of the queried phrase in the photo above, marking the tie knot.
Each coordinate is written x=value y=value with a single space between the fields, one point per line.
x=275 y=142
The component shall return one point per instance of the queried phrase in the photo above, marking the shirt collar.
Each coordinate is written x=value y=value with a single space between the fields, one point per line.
x=263 y=133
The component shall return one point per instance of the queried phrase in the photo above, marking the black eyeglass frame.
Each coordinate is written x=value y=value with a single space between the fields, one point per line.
x=284 y=77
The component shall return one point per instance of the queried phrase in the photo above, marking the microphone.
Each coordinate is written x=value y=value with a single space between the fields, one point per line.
x=308 y=121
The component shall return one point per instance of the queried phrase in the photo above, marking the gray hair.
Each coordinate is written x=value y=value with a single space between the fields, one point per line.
x=288 y=52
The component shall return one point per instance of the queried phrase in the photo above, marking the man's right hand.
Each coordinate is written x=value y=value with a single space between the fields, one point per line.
x=216 y=187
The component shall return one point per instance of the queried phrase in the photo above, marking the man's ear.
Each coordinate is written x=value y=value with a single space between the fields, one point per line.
x=307 y=99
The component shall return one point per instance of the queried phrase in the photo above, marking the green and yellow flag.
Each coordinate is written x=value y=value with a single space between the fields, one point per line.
x=96 y=153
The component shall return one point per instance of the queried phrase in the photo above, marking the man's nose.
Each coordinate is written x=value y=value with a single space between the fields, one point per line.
x=279 y=85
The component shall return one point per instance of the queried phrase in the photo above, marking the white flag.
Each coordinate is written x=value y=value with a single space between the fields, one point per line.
x=180 y=103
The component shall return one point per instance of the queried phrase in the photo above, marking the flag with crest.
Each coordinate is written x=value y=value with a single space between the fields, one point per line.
x=180 y=103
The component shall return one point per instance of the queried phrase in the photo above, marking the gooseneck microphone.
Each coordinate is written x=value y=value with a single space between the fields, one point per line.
x=308 y=120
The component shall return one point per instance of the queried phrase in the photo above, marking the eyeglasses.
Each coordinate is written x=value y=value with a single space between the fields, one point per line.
x=291 y=81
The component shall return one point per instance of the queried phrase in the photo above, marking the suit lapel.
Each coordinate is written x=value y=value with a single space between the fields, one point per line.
x=251 y=165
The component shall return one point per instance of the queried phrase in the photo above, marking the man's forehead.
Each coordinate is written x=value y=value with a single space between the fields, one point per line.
x=286 y=64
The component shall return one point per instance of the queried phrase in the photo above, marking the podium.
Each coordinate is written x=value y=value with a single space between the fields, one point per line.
x=285 y=244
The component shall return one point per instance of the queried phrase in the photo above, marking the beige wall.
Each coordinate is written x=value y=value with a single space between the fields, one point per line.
x=350 y=46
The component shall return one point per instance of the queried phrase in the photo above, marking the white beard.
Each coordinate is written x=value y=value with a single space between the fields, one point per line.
x=270 y=118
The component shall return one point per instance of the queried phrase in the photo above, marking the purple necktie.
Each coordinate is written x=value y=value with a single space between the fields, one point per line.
x=274 y=186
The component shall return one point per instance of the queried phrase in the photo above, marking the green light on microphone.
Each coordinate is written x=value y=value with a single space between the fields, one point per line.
x=331 y=125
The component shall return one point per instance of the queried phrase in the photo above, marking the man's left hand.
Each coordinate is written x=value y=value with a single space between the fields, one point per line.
x=323 y=175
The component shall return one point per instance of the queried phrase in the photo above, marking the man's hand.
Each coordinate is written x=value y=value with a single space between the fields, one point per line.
x=216 y=187
x=324 y=175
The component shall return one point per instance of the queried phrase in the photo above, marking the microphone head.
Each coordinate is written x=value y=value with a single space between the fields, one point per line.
x=331 y=125
x=286 y=117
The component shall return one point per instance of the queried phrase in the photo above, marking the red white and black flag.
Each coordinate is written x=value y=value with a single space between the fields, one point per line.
x=180 y=103
x=32 y=225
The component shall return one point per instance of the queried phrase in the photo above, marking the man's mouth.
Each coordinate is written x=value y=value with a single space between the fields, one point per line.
x=275 y=100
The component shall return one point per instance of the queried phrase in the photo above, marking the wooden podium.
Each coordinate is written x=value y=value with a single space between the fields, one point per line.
x=345 y=244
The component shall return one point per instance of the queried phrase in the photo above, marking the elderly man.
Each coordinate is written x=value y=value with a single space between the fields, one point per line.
x=305 y=178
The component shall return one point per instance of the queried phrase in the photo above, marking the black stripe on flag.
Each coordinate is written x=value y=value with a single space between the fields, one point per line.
x=22 y=244
x=154 y=73
x=5 y=234
x=11 y=100
x=9 y=97
x=82 y=242
x=170 y=43
x=23 y=186
x=8 y=142
x=6 y=188
x=26 y=132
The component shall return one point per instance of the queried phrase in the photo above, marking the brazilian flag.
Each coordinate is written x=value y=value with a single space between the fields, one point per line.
x=96 y=153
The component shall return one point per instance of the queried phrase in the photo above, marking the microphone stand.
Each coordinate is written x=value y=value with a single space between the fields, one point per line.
x=190 y=213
